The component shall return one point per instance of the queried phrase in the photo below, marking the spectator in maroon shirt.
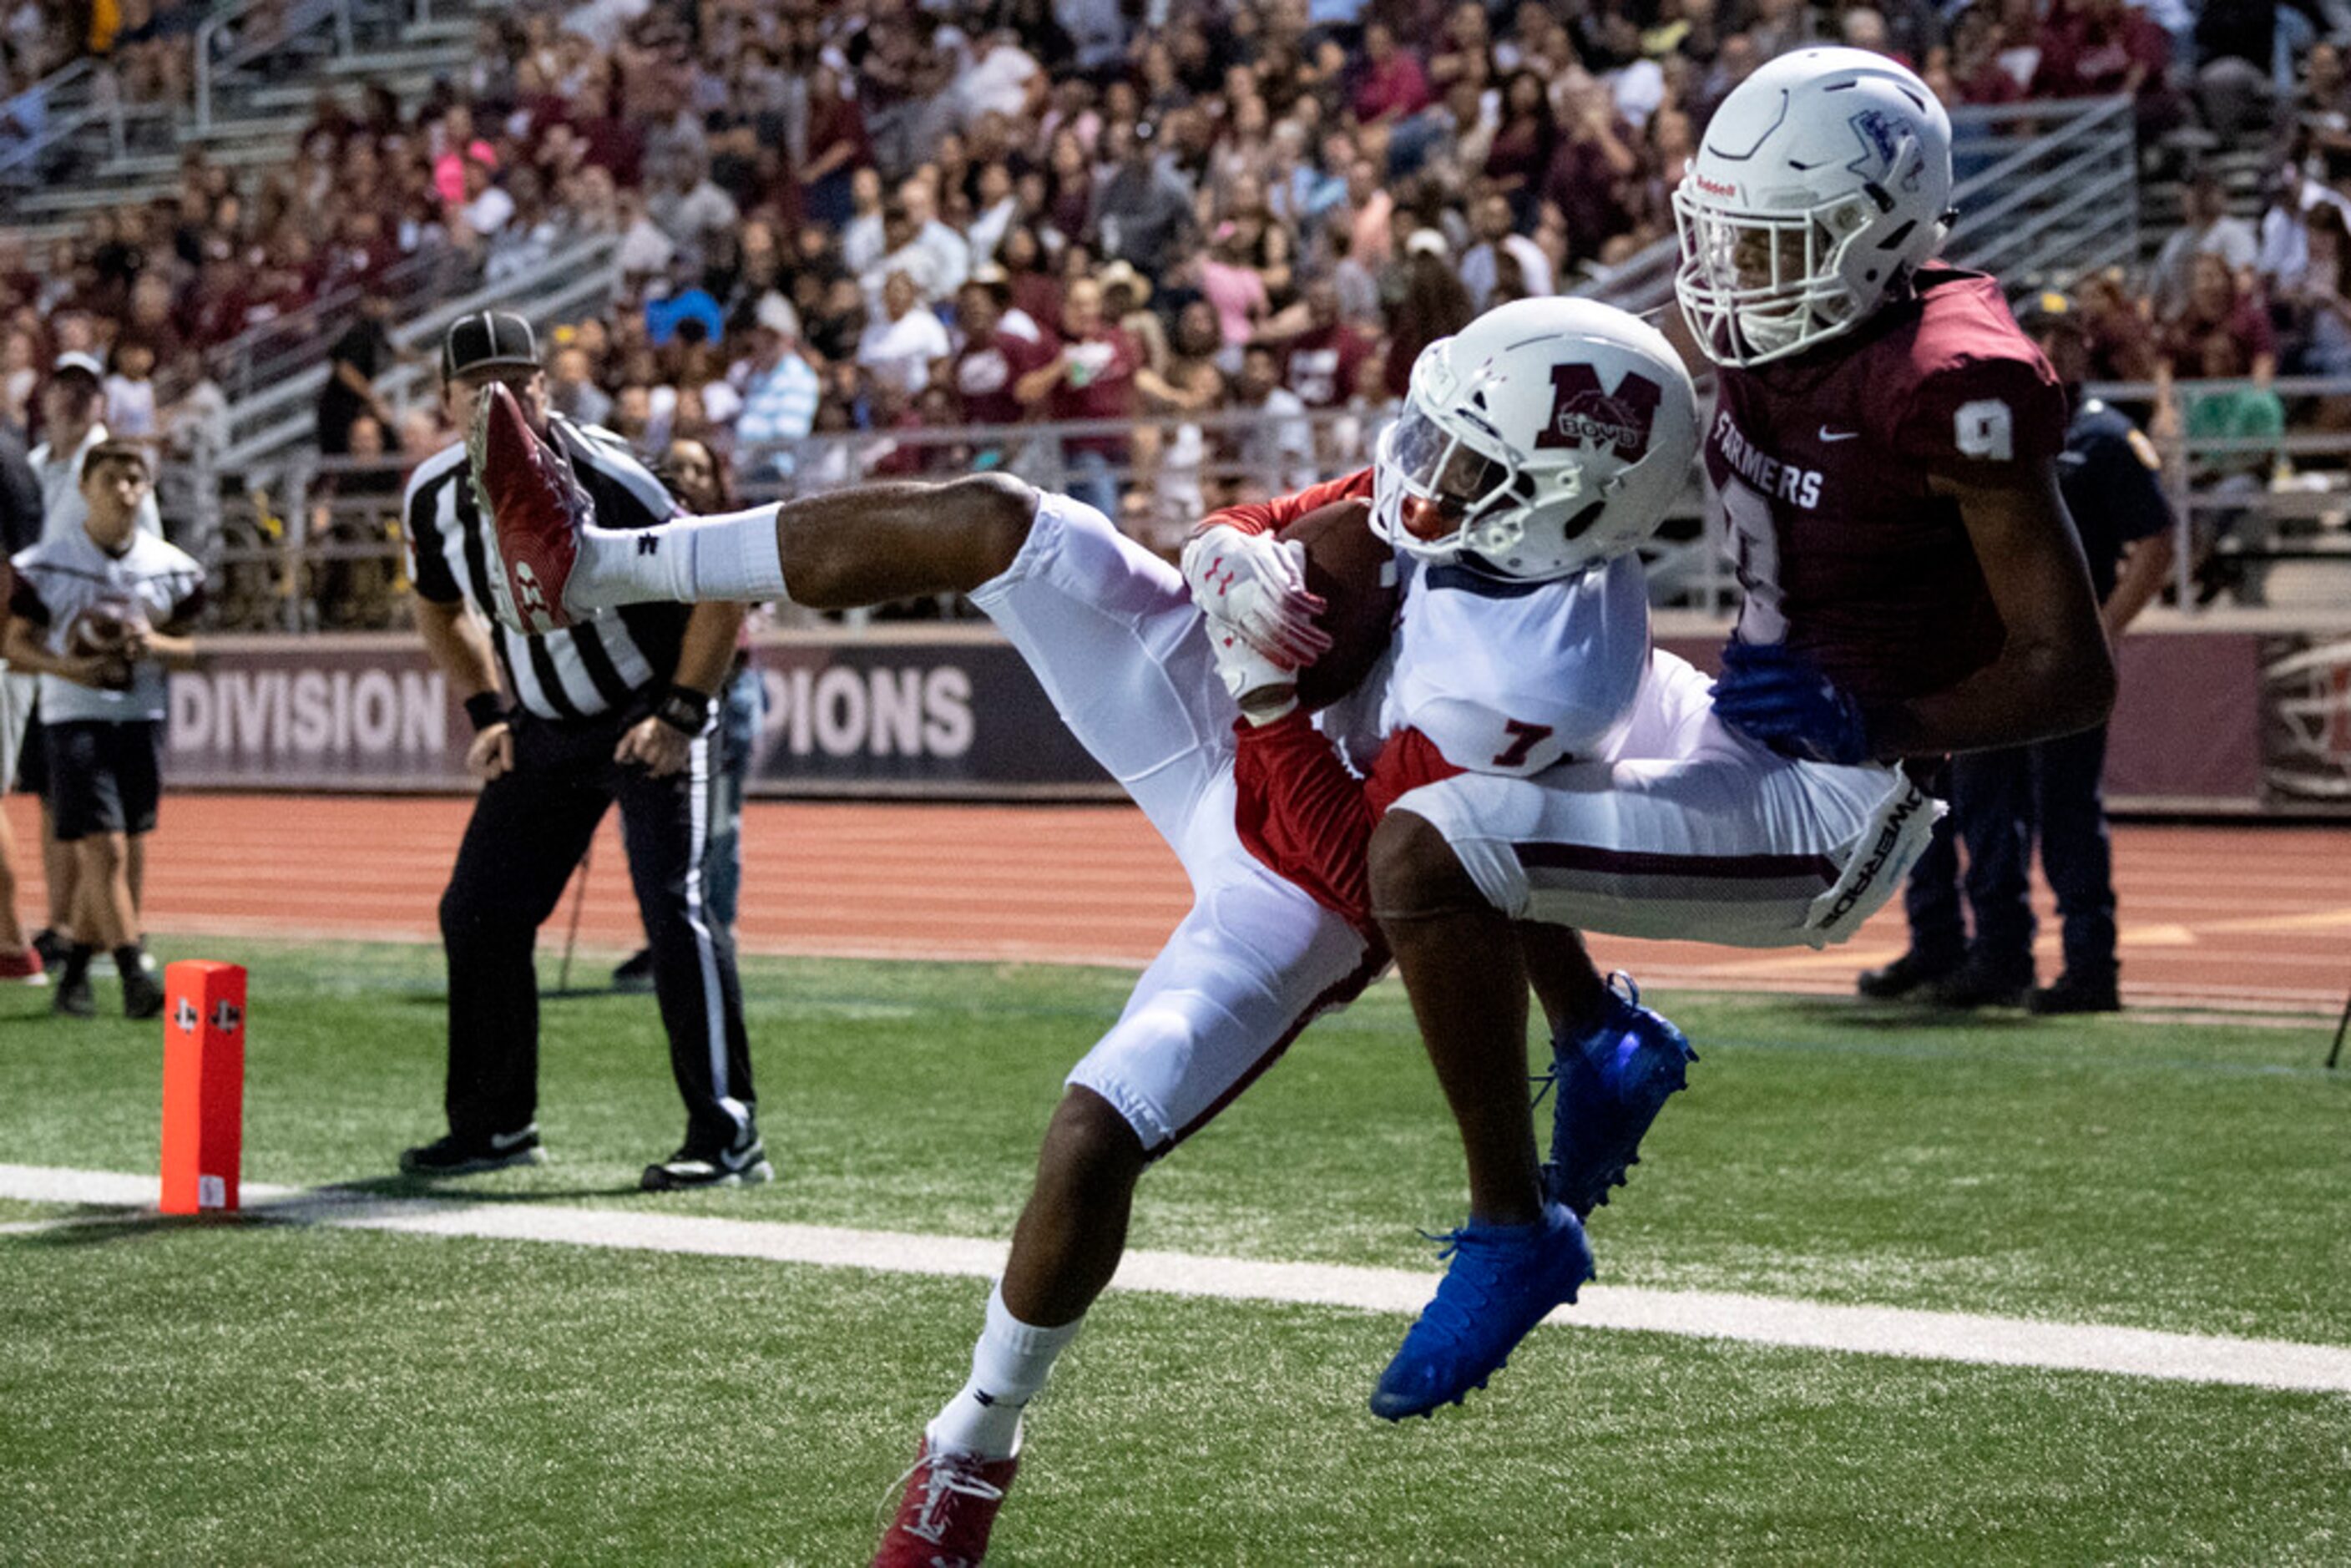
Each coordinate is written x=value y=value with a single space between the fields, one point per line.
x=1466 y=47
x=2218 y=306
x=1589 y=173
x=1070 y=182
x=1434 y=305
x=1090 y=375
x=1520 y=153
x=1323 y=361
x=2122 y=340
x=990 y=360
x=837 y=144
x=1393 y=85
x=1036 y=292
x=2090 y=49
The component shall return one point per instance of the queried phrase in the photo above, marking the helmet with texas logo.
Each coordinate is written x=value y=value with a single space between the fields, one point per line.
x=1821 y=184
x=1546 y=436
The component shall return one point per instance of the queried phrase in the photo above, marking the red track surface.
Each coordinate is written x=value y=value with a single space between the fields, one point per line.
x=2244 y=917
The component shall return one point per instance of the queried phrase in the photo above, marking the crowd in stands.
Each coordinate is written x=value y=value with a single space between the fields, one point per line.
x=916 y=225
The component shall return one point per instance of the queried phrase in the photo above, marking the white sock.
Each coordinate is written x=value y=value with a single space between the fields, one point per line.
x=1009 y=1367
x=733 y=556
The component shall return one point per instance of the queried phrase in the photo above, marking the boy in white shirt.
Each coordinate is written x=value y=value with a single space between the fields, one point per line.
x=97 y=614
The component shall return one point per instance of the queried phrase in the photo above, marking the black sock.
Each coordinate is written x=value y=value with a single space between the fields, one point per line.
x=77 y=958
x=128 y=961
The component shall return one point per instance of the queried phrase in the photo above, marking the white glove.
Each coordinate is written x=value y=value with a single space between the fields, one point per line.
x=1254 y=586
x=1263 y=690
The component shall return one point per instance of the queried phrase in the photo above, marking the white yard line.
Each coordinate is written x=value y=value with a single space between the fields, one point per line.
x=1706 y=1315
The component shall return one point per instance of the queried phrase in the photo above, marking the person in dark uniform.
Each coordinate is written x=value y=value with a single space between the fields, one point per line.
x=20 y=529
x=2001 y=800
x=616 y=709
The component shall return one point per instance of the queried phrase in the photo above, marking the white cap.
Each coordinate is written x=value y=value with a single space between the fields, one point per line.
x=777 y=315
x=1427 y=242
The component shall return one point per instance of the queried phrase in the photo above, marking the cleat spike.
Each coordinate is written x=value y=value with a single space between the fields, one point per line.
x=1609 y=1082
x=534 y=505
x=1500 y=1284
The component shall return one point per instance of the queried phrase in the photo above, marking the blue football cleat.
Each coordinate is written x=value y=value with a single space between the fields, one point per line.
x=1500 y=1281
x=1611 y=1079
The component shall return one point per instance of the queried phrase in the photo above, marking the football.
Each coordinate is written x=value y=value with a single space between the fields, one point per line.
x=98 y=629
x=1354 y=572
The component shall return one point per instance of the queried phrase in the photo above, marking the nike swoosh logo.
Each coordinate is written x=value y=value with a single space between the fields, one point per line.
x=502 y=1142
x=1828 y=434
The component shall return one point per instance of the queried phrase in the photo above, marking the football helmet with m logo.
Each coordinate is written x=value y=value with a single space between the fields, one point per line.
x=1547 y=436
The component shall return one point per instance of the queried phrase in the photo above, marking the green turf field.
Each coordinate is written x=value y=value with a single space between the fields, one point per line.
x=271 y=1392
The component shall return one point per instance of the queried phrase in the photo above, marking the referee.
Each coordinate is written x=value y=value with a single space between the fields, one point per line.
x=2002 y=800
x=614 y=710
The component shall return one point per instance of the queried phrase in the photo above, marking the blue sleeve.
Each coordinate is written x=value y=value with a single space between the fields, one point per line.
x=2131 y=487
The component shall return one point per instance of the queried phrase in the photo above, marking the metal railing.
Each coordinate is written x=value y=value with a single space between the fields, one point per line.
x=74 y=96
x=275 y=423
x=2046 y=192
x=312 y=543
x=263 y=356
x=2064 y=205
x=2259 y=521
x=299 y=20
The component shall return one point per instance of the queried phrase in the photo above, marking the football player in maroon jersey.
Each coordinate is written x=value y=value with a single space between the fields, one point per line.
x=1885 y=446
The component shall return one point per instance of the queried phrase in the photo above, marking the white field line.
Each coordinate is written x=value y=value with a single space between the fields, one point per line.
x=1704 y=1314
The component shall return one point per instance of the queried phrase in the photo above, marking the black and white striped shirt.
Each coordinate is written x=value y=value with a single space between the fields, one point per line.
x=593 y=666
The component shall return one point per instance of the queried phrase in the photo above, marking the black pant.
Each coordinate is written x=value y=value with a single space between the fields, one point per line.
x=529 y=828
x=2000 y=802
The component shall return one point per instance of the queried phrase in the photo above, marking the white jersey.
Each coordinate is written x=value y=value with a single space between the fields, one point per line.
x=1514 y=678
x=62 y=507
x=66 y=577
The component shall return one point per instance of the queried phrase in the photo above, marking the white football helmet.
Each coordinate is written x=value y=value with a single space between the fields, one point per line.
x=1546 y=436
x=1821 y=183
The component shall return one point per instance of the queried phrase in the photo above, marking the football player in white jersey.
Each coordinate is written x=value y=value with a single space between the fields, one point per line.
x=1115 y=638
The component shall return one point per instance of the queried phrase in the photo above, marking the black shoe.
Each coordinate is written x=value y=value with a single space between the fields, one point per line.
x=73 y=997
x=141 y=997
x=2069 y=994
x=1905 y=975
x=148 y=965
x=637 y=974
x=1979 y=984
x=51 y=947
x=746 y=1166
x=454 y=1155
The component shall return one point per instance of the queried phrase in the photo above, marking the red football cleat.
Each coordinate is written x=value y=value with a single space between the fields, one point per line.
x=533 y=503
x=948 y=1509
x=23 y=966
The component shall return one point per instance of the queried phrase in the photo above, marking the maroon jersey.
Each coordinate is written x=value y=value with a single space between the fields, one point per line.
x=1821 y=463
x=1321 y=365
x=984 y=373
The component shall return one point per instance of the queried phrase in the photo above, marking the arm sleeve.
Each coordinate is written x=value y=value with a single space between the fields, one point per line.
x=187 y=607
x=1309 y=822
x=2132 y=479
x=1272 y=516
x=24 y=601
x=1304 y=815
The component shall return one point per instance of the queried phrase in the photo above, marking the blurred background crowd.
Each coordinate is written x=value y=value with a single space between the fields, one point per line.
x=924 y=224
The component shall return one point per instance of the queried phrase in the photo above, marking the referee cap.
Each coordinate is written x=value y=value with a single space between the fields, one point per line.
x=486 y=339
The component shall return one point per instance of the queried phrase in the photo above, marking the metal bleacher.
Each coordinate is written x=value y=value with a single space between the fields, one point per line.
x=2046 y=193
x=259 y=67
